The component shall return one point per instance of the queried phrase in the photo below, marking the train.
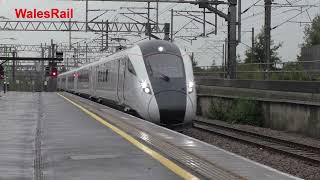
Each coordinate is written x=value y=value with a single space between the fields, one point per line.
x=153 y=78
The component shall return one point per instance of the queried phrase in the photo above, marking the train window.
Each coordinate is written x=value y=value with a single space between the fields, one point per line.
x=70 y=79
x=168 y=65
x=83 y=76
x=130 y=67
x=103 y=75
x=100 y=76
x=110 y=66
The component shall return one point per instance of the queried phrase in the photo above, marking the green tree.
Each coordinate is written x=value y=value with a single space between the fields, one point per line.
x=258 y=51
x=312 y=33
x=311 y=38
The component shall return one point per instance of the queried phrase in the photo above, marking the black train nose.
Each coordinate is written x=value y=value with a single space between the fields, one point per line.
x=172 y=107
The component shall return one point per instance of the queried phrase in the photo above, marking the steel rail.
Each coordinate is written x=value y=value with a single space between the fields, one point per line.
x=301 y=151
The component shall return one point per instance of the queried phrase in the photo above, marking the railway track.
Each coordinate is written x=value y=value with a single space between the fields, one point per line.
x=304 y=152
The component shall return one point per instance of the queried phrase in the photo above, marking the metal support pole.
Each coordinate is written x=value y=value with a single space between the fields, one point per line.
x=107 y=35
x=52 y=55
x=192 y=57
x=204 y=21
x=49 y=52
x=102 y=40
x=87 y=5
x=267 y=32
x=86 y=52
x=239 y=21
x=166 y=31
x=78 y=53
x=226 y=57
x=252 y=46
x=232 y=39
x=75 y=64
x=157 y=16
x=42 y=69
x=67 y=64
x=5 y=72
x=148 y=22
x=216 y=22
x=52 y=49
x=70 y=34
x=223 y=65
x=171 y=26
x=14 y=67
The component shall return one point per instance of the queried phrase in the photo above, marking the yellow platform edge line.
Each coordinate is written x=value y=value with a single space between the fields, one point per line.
x=163 y=160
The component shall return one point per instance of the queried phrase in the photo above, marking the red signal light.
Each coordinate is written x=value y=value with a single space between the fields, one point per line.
x=54 y=72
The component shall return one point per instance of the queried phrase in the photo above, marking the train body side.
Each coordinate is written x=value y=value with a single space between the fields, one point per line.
x=120 y=79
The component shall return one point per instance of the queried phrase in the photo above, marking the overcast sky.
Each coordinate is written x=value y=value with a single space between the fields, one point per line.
x=206 y=49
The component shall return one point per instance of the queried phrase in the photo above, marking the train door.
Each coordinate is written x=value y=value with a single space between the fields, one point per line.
x=121 y=78
x=130 y=84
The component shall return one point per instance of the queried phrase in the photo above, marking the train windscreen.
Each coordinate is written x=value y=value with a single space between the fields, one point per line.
x=165 y=65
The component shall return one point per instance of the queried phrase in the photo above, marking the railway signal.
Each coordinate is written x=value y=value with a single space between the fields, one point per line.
x=47 y=71
x=59 y=55
x=1 y=72
x=54 y=72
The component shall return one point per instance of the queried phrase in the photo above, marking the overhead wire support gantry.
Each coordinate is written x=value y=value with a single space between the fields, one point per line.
x=38 y=48
x=233 y=23
x=79 y=26
x=148 y=28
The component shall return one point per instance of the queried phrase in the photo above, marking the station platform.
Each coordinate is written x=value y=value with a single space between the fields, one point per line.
x=63 y=136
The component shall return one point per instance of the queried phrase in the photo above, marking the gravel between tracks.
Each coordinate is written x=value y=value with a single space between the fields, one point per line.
x=276 y=160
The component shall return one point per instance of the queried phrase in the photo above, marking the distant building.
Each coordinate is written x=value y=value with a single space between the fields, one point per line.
x=311 y=54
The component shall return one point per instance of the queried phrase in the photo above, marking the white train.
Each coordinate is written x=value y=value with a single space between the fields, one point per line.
x=153 y=78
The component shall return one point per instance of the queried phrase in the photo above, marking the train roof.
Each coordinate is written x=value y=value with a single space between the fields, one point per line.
x=152 y=47
x=147 y=47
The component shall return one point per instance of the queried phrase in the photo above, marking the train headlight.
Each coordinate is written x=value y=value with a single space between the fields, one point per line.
x=160 y=49
x=145 y=87
x=147 y=90
x=190 y=86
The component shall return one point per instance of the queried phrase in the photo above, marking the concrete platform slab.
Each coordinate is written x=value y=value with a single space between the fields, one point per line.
x=18 y=121
x=207 y=160
x=42 y=135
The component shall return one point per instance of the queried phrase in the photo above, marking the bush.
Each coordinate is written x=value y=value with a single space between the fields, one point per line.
x=240 y=111
x=245 y=111
x=217 y=111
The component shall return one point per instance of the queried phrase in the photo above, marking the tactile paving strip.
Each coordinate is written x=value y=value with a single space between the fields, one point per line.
x=204 y=168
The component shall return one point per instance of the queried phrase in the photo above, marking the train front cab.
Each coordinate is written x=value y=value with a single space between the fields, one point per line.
x=171 y=79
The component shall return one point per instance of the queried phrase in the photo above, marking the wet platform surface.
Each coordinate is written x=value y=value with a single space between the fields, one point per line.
x=46 y=136
x=43 y=135
x=204 y=159
x=18 y=122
